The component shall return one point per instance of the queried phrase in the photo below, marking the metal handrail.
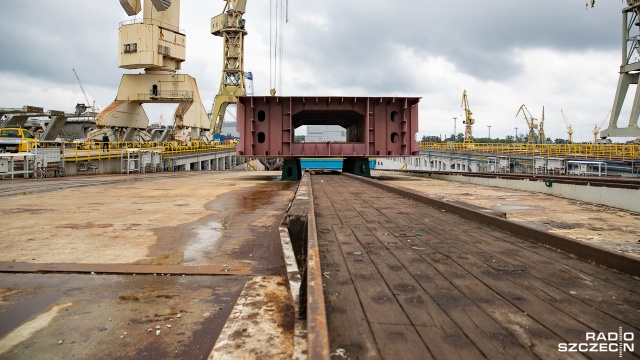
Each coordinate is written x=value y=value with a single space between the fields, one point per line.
x=624 y=152
x=86 y=151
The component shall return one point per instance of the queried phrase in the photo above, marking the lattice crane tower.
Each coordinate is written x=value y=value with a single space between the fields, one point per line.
x=231 y=27
x=468 y=120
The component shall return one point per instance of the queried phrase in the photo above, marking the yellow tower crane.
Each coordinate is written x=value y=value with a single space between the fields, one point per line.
x=597 y=128
x=468 y=121
x=569 y=129
x=542 y=139
x=231 y=27
x=531 y=123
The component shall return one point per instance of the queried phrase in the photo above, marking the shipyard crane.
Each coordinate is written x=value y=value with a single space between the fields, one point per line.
x=155 y=45
x=628 y=71
x=81 y=108
x=468 y=121
x=231 y=27
x=542 y=139
x=531 y=123
x=569 y=129
x=597 y=128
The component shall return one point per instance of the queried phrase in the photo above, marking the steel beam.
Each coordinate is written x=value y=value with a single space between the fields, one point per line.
x=375 y=127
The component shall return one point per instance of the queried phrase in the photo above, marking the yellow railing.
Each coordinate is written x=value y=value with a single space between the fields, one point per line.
x=87 y=151
x=622 y=152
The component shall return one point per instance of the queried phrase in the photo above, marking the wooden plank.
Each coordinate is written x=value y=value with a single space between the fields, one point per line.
x=376 y=298
x=443 y=337
x=341 y=299
x=563 y=324
x=400 y=342
x=540 y=276
x=462 y=306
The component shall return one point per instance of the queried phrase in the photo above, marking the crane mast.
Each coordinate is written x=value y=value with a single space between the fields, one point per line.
x=597 y=128
x=231 y=27
x=531 y=123
x=542 y=139
x=629 y=73
x=468 y=121
x=569 y=129
x=81 y=108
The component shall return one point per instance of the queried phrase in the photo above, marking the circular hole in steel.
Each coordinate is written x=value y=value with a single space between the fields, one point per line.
x=261 y=115
x=261 y=137
x=394 y=137
x=394 y=116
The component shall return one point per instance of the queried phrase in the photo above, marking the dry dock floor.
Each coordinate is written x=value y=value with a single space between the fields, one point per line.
x=406 y=281
x=91 y=265
x=129 y=253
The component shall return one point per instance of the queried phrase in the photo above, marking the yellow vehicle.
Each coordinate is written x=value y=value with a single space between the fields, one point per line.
x=17 y=140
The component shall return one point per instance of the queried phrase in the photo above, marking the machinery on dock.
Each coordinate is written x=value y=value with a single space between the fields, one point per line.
x=231 y=27
x=468 y=120
x=569 y=129
x=542 y=138
x=17 y=140
x=531 y=123
x=629 y=73
x=156 y=44
x=82 y=108
x=597 y=128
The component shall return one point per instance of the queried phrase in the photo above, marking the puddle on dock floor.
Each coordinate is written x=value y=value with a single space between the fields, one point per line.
x=207 y=239
x=241 y=228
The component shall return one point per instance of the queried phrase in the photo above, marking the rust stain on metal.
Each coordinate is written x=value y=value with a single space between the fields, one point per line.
x=21 y=267
x=318 y=333
x=380 y=126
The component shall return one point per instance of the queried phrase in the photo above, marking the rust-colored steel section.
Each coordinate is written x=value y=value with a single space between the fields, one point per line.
x=18 y=267
x=317 y=331
x=621 y=262
x=375 y=127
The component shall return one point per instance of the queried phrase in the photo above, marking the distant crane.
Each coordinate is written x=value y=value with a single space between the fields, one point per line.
x=597 y=128
x=541 y=136
x=531 y=123
x=468 y=121
x=231 y=27
x=569 y=129
x=81 y=108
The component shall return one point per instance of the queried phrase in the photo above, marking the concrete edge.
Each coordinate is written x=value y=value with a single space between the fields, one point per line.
x=620 y=262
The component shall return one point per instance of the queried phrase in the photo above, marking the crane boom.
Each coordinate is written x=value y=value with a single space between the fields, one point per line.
x=597 y=128
x=531 y=123
x=468 y=121
x=84 y=92
x=569 y=128
x=541 y=135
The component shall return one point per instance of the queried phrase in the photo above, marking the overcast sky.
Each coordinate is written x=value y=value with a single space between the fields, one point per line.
x=550 y=53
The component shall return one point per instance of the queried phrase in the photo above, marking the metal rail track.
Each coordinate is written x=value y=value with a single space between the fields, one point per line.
x=622 y=183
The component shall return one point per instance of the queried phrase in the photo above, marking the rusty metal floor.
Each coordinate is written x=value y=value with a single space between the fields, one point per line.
x=406 y=281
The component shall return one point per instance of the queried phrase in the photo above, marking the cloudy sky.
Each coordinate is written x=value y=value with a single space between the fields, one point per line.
x=505 y=53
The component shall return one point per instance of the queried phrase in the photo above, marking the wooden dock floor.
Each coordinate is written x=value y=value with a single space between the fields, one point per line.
x=406 y=281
